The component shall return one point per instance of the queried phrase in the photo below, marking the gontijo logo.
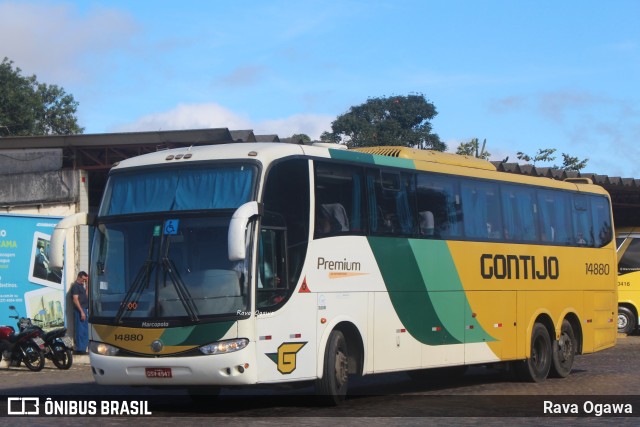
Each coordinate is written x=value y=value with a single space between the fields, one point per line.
x=285 y=358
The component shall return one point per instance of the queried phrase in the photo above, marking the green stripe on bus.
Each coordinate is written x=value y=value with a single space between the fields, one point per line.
x=352 y=156
x=407 y=291
x=443 y=282
x=197 y=334
x=356 y=156
x=427 y=295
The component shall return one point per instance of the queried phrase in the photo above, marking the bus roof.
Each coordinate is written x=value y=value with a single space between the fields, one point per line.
x=388 y=156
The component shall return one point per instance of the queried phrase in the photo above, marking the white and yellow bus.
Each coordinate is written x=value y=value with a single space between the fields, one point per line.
x=628 y=243
x=216 y=266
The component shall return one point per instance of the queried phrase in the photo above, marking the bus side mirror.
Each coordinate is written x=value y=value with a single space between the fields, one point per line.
x=59 y=235
x=237 y=226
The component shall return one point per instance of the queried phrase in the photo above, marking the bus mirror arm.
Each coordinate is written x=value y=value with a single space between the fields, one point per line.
x=237 y=226
x=59 y=235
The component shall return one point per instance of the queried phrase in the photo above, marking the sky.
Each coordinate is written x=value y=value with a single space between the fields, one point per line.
x=524 y=75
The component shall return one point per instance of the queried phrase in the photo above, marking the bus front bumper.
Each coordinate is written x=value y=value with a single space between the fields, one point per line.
x=236 y=368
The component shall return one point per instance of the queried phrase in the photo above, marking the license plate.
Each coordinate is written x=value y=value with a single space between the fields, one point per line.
x=158 y=372
x=67 y=342
x=39 y=342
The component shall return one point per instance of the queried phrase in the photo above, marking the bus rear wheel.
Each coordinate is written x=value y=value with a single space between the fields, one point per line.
x=564 y=351
x=536 y=367
x=626 y=320
x=332 y=387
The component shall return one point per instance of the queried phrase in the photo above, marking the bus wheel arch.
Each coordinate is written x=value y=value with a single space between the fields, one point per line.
x=536 y=367
x=627 y=318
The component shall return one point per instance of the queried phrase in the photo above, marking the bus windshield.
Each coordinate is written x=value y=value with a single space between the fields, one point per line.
x=166 y=267
x=160 y=250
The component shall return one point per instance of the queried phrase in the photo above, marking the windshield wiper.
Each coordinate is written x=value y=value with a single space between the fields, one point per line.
x=139 y=283
x=181 y=289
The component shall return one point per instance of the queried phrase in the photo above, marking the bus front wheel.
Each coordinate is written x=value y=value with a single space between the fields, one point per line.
x=536 y=367
x=332 y=387
x=626 y=320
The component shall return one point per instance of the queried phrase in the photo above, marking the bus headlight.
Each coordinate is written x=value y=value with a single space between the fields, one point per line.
x=227 y=346
x=103 y=349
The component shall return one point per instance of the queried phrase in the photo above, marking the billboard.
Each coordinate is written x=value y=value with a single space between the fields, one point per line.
x=26 y=279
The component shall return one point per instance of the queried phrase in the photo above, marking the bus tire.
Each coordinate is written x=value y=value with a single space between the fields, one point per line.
x=332 y=387
x=564 y=351
x=536 y=367
x=626 y=320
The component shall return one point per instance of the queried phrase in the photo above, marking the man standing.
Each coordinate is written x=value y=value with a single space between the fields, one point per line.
x=80 y=295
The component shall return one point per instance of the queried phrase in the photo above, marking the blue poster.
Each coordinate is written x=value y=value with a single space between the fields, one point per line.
x=27 y=282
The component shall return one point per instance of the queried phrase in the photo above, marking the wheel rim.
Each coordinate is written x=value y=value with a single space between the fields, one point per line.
x=623 y=321
x=566 y=347
x=32 y=356
x=341 y=368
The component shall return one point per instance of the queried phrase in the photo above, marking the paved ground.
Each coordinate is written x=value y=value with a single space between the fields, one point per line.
x=607 y=377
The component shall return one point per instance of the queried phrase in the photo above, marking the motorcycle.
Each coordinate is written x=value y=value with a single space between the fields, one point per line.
x=57 y=346
x=26 y=346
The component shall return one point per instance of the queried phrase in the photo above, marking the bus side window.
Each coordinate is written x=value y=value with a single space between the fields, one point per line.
x=481 y=207
x=338 y=200
x=438 y=196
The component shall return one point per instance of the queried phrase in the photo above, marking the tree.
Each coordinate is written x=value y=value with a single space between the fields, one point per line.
x=543 y=155
x=300 y=138
x=397 y=120
x=472 y=148
x=28 y=107
x=569 y=163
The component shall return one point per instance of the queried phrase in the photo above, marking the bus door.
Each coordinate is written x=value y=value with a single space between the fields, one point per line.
x=284 y=319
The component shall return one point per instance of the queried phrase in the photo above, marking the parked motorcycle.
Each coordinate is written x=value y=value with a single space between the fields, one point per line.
x=57 y=346
x=25 y=346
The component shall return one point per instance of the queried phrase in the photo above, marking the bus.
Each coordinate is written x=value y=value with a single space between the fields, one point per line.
x=266 y=263
x=628 y=244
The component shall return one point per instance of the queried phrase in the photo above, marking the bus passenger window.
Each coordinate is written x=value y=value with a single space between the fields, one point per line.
x=481 y=207
x=338 y=200
x=439 y=196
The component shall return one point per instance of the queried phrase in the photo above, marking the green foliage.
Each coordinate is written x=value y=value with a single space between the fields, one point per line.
x=31 y=108
x=569 y=163
x=397 y=120
x=301 y=138
x=472 y=148
x=543 y=155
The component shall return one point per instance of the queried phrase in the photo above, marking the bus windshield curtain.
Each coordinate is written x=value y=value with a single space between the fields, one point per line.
x=224 y=188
